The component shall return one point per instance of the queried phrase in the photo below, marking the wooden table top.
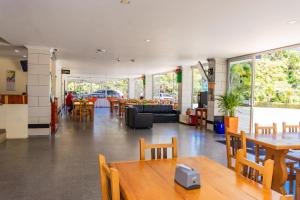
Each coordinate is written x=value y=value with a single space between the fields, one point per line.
x=280 y=141
x=154 y=179
x=77 y=103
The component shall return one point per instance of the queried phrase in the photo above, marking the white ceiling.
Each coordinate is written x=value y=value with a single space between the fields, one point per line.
x=181 y=32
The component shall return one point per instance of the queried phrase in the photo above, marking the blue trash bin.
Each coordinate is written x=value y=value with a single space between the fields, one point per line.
x=220 y=127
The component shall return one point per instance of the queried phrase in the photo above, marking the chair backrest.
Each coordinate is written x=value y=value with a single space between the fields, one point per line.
x=287 y=197
x=290 y=128
x=234 y=142
x=265 y=130
x=252 y=170
x=109 y=181
x=156 y=152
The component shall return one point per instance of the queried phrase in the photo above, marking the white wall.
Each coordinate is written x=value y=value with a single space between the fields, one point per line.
x=14 y=118
x=21 y=77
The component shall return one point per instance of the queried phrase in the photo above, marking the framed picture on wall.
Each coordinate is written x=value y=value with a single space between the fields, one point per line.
x=10 y=80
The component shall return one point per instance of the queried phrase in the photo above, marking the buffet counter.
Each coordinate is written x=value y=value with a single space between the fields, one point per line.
x=14 y=119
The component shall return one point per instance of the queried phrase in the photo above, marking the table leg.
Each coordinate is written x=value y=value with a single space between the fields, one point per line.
x=93 y=112
x=280 y=173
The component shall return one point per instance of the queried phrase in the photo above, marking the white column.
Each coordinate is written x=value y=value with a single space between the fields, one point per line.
x=39 y=110
x=148 y=86
x=185 y=89
x=219 y=88
x=131 y=88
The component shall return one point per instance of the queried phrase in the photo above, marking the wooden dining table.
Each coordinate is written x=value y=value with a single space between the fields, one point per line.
x=90 y=105
x=277 y=146
x=154 y=179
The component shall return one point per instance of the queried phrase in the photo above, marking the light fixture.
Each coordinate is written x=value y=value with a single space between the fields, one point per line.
x=17 y=50
x=100 y=51
x=24 y=56
x=147 y=40
x=125 y=2
x=292 y=22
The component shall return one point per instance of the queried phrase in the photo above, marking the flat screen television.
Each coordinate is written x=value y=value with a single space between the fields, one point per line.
x=202 y=100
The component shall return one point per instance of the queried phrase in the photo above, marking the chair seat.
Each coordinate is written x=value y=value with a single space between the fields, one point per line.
x=294 y=155
x=287 y=160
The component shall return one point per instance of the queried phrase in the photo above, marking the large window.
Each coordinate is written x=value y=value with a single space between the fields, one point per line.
x=277 y=79
x=199 y=85
x=138 y=88
x=165 y=86
x=240 y=79
x=274 y=91
x=86 y=88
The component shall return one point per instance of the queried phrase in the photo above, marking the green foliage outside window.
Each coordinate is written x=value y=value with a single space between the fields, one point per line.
x=277 y=79
x=240 y=80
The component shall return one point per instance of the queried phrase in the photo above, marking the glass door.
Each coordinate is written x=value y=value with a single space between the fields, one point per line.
x=239 y=80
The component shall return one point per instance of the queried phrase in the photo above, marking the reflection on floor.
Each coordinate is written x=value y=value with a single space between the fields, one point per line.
x=65 y=166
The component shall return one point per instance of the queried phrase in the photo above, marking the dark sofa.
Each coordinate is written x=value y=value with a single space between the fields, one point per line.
x=142 y=116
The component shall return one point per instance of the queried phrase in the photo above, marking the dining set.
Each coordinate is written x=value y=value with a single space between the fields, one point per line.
x=83 y=110
x=153 y=178
x=282 y=147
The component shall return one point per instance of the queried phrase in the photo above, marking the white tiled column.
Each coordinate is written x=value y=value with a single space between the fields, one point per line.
x=131 y=88
x=148 y=86
x=220 y=72
x=185 y=89
x=39 y=109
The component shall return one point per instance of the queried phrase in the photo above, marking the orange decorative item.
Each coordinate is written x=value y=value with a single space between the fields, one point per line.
x=232 y=123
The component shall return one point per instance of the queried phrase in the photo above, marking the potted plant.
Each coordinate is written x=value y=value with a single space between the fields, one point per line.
x=228 y=104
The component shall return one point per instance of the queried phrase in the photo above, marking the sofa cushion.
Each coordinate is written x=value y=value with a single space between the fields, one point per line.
x=139 y=108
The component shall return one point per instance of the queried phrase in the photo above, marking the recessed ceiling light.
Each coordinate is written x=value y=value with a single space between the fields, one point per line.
x=17 y=50
x=292 y=22
x=100 y=50
x=24 y=56
x=148 y=40
x=125 y=2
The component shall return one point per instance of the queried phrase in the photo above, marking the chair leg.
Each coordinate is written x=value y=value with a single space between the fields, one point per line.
x=256 y=153
x=291 y=177
x=297 y=185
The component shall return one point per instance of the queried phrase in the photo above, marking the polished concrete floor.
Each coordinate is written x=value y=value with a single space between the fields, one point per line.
x=65 y=166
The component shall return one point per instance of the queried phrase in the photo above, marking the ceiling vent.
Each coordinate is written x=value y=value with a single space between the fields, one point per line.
x=3 y=42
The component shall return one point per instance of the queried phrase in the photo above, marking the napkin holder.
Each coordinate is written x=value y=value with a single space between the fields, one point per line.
x=187 y=177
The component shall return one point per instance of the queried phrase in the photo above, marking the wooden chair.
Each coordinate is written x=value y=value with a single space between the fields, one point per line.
x=253 y=171
x=201 y=117
x=76 y=111
x=297 y=183
x=292 y=155
x=287 y=197
x=263 y=130
x=109 y=181
x=234 y=142
x=84 y=111
x=290 y=128
x=156 y=149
